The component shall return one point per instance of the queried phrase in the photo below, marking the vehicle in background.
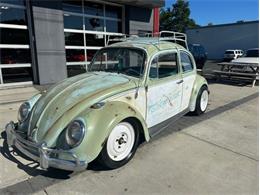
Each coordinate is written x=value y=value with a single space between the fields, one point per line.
x=251 y=57
x=232 y=54
x=199 y=54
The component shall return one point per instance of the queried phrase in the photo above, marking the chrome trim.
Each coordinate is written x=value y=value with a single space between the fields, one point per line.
x=44 y=153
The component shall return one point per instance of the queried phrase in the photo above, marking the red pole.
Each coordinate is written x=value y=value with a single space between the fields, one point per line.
x=156 y=20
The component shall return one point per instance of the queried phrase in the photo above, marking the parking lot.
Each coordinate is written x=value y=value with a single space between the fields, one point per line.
x=216 y=153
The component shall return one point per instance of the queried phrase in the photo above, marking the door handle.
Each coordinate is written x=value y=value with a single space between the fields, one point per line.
x=179 y=82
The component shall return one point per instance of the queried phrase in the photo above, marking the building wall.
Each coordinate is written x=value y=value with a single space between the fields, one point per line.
x=216 y=39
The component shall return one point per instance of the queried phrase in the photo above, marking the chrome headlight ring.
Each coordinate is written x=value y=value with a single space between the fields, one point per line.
x=75 y=133
x=24 y=111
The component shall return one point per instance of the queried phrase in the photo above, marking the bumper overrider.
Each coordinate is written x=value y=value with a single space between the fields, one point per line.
x=41 y=153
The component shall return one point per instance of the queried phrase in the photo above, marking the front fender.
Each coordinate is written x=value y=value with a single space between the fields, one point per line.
x=198 y=83
x=100 y=123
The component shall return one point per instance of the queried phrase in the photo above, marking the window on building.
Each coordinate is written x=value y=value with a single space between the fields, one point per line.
x=10 y=15
x=94 y=9
x=96 y=40
x=75 y=55
x=15 y=54
x=186 y=62
x=73 y=22
x=90 y=54
x=113 y=11
x=87 y=25
x=73 y=6
x=94 y=24
x=14 y=2
x=14 y=36
x=74 y=39
x=114 y=26
x=164 y=65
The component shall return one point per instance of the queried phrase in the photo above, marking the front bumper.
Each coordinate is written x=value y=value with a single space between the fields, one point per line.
x=41 y=153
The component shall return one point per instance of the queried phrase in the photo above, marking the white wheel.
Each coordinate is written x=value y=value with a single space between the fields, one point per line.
x=204 y=100
x=121 y=141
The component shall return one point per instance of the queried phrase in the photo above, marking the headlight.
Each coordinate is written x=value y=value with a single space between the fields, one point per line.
x=24 y=111
x=75 y=133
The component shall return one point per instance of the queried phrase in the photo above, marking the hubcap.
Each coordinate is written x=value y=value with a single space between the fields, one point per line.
x=120 y=141
x=204 y=100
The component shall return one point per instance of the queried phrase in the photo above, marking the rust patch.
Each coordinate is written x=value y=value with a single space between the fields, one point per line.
x=130 y=108
x=128 y=97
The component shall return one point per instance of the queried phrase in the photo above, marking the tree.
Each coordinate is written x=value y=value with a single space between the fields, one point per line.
x=166 y=22
x=177 y=18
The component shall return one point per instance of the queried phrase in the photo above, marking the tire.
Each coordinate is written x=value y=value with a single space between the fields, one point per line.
x=120 y=145
x=202 y=100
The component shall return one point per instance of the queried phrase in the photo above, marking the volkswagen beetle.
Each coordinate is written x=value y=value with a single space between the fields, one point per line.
x=132 y=90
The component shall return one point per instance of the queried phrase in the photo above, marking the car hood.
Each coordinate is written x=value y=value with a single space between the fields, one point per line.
x=60 y=99
x=249 y=60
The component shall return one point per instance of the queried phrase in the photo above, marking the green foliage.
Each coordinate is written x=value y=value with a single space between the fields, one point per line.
x=177 y=18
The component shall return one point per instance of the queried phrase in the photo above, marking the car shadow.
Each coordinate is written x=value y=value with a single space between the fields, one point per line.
x=235 y=83
x=32 y=168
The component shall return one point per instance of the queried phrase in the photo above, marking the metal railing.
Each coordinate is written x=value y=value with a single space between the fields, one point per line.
x=175 y=37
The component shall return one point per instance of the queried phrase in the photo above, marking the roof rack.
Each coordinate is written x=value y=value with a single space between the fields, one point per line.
x=116 y=38
x=175 y=37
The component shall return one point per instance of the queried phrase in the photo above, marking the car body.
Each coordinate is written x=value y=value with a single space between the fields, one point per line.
x=199 y=54
x=134 y=89
x=232 y=54
x=251 y=56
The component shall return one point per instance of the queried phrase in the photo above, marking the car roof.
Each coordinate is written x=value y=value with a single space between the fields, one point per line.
x=253 y=49
x=151 y=45
x=233 y=50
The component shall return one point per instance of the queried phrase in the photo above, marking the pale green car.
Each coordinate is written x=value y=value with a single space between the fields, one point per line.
x=132 y=91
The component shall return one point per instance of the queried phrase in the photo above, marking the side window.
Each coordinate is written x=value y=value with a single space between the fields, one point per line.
x=186 y=62
x=153 y=69
x=164 y=65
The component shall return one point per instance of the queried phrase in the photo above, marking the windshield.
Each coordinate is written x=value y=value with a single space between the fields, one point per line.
x=129 y=61
x=252 y=53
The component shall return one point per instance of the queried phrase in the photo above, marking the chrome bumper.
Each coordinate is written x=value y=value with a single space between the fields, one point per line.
x=41 y=153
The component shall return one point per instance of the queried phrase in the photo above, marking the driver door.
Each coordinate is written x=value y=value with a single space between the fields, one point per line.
x=164 y=91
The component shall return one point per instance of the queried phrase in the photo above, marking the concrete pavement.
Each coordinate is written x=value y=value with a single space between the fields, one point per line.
x=216 y=153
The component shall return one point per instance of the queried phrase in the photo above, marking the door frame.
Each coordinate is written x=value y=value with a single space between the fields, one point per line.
x=154 y=82
x=187 y=73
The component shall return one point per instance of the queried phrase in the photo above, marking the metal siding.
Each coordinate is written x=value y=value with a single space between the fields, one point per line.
x=141 y=3
x=49 y=39
x=217 y=39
